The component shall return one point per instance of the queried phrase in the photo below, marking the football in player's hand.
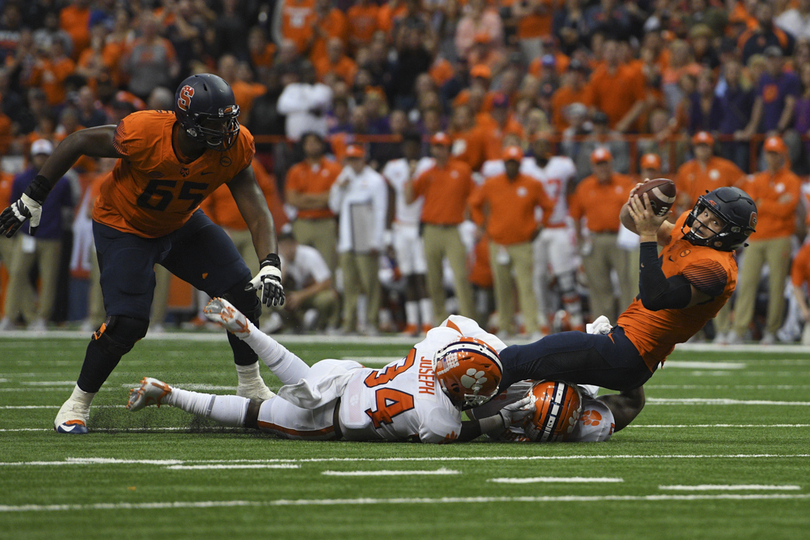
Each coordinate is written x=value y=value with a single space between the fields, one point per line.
x=661 y=192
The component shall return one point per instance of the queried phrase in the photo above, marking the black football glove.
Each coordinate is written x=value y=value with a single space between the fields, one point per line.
x=269 y=281
x=27 y=207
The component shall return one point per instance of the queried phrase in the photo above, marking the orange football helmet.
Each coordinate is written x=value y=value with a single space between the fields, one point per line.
x=558 y=406
x=469 y=372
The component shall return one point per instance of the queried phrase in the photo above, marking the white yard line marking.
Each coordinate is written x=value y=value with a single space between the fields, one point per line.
x=730 y=487
x=113 y=461
x=49 y=383
x=235 y=466
x=688 y=364
x=726 y=386
x=553 y=479
x=404 y=500
x=439 y=472
x=713 y=426
x=721 y=401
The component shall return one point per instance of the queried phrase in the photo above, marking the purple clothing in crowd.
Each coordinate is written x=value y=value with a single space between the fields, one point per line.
x=773 y=91
x=736 y=105
x=699 y=120
x=50 y=226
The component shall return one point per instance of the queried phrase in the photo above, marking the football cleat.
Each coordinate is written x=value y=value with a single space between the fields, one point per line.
x=72 y=418
x=557 y=409
x=221 y=311
x=151 y=392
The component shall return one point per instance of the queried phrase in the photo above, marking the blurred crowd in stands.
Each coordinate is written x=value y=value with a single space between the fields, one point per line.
x=401 y=145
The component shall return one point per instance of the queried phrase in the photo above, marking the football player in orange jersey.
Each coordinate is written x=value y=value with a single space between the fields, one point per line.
x=678 y=293
x=148 y=213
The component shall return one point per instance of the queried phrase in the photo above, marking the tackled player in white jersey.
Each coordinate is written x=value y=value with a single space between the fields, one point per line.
x=419 y=397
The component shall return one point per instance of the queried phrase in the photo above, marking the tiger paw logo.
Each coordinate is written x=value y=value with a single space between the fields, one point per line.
x=591 y=418
x=473 y=379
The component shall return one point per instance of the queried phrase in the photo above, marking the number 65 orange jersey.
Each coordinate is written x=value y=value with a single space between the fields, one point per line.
x=151 y=192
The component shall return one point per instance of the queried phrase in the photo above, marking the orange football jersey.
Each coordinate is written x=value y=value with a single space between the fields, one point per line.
x=150 y=192
x=655 y=333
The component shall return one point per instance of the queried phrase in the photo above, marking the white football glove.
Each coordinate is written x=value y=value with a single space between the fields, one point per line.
x=15 y=215
x=600 y=326
x=269 y=281
x=517 y=411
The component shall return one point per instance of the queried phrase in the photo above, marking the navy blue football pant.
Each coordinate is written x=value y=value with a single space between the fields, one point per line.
x=199 y=252
x=610 y=361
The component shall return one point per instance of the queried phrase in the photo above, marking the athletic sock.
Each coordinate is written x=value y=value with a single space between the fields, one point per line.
x=226 y=410
x=284 y=364
x=426 y=308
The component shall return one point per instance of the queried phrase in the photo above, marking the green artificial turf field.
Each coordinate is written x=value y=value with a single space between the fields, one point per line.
x=721 y=451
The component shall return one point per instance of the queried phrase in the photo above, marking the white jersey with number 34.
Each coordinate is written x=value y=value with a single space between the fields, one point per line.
x=402 y=400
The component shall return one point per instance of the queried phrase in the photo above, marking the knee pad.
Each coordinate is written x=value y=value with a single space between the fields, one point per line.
x=119 y=334
x=245 y=301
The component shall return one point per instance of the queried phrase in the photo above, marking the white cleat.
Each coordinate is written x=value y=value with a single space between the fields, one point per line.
x=72 y=418
x=221 y=311
x=151 y=392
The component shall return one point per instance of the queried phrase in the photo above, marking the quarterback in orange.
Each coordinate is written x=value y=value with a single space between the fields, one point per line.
x=679 y=291
x=148 y=213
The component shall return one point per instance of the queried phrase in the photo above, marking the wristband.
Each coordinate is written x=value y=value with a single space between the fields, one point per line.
x=39 y=188
x=272 y=259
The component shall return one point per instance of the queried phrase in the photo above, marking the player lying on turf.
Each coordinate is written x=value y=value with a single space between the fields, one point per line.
x=679 y=292
x=566 y=412
x=419 y=397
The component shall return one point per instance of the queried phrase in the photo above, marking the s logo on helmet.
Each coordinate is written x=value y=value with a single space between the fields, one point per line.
x=186 y=93
x=752 y=221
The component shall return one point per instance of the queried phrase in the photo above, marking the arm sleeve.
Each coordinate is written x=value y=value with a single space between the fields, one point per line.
x=655 y=291
x=707 y=276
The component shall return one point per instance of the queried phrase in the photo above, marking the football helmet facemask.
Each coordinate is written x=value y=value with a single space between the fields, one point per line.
x=558 y=406
x=469 y=372
x=207 y=111
x=733 y=206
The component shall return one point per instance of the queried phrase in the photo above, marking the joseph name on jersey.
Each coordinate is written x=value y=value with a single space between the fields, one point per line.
x=150 y=192
x=402 y=400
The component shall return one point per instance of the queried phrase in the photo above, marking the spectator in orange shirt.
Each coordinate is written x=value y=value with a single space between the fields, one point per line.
x=330 y=22
x=51 y=69
x=534 y=23
x=239 y=76
x=598 y=199
x=445 y=187
x=261 y=51
x=363 y=22
x=800 y=279
x=307 y=190
x=504 y=208
x=293 y=20
x=478 y=19
x=571 y=91
x=706 y=172
x=776 y=193
x=616 y=90
x=75 y=20
x=336 y=62
x=497 y=123
x=649 y=167
x=468 y=139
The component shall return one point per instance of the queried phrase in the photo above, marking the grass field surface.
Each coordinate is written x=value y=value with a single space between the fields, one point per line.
x=721 y=451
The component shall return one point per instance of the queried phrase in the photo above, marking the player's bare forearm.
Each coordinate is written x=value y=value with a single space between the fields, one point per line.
x=625 y=406
x=93 y=142
x=253 y=206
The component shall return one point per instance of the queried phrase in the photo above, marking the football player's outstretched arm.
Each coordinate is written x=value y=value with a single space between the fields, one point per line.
x=95 y=142
x=625 y=406
x=253 y=206
x=511 y=414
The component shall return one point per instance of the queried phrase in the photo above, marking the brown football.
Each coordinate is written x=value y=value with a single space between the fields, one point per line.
x=662 y=194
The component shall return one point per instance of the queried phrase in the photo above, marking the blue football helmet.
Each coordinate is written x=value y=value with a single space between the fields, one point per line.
x=205 y=97
x=733 y=206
